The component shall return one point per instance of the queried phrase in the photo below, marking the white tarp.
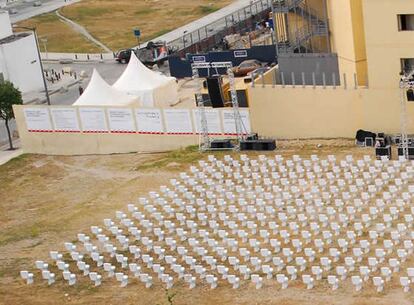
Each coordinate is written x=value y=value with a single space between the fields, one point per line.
x=65 y=119
x=37 y=119
x=99 y=93
x=213 y=121
x=229 y=125
x=121 y=120
x=178 y=121
x=152 y=88
x=93 y=120
x=149 y=121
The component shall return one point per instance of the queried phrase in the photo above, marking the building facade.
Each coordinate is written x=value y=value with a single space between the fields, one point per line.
x=19 y=62
x=373 y=41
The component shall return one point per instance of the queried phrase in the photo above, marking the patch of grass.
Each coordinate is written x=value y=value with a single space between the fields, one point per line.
x=14 y=163
x=160 y=33
x=20 y=233
x=207 y=9
x=144 y=11
x=112 y=21
x=182 y=156
x=60 y=36
x=9 y=267
x=84 y=12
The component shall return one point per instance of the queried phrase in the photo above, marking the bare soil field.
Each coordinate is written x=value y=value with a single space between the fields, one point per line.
x=112 y=22
x=46 y=200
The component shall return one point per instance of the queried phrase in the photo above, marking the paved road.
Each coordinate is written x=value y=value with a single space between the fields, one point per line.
x=110 y=72
x=26 y=10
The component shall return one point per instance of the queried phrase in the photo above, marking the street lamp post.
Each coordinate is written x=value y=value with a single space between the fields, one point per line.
x=40 y=60
x=44 y=40
x=184 y=40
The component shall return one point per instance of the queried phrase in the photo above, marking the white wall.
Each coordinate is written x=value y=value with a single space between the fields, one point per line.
x=5 y=25
x=20 y=64
x=68 y=130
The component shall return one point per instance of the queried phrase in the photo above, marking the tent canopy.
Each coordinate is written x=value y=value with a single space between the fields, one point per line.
x=151 y=87
x=99 y=93
x=138 y=77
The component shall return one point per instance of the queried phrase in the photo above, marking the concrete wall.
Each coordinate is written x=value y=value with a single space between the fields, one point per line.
x=20 y=64
x=309 y=64
x=51 y=141
x=5 y=25
x=325 y=113
x=290 y=113
x=58 y=143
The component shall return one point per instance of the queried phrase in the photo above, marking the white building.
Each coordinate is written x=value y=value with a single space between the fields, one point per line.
x=19 y=61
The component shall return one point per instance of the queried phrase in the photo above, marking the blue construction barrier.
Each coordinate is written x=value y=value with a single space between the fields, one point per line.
x=181 y=67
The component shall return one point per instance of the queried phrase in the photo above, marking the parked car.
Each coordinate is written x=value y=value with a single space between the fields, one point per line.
x=123 y=56
x=13 y=11
x=37 y=3
x=255 y=73
x=153 y=53
x=246 y=67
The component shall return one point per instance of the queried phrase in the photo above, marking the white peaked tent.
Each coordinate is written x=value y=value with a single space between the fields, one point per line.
x=99 y=93
x=153 y=89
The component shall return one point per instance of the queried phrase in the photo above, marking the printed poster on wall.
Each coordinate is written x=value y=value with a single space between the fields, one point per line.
x=178 y=121
x=149 y=121
x=37 y=119
x=65 y=119
x=93 y=120
x=229 y=124
x=121 y=120
x=213 y=121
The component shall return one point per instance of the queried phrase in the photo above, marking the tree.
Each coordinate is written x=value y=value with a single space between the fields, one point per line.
x=9 y=96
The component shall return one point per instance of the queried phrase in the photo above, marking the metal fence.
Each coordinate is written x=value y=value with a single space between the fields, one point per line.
x=211 y=35
x=313 y=79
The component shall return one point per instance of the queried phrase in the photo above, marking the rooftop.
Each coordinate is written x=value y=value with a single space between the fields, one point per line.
x=13 y=38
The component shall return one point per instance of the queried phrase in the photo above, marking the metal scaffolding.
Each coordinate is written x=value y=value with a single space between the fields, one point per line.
x=204 y=137
x=296 y=25
x=406 y=83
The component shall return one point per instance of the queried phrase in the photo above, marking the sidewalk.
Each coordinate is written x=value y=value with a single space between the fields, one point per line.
x=7 y=155
x=38 y=97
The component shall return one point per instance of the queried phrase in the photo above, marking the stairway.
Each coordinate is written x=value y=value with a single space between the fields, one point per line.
x=314 y=27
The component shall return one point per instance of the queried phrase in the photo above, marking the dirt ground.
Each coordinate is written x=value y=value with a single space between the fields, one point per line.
x=46 y=200
x=60 y=36
x=112 y=22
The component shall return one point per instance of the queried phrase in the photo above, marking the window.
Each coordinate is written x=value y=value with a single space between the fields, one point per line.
x=406 y=22
x=410 y=95
x=407 y=65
